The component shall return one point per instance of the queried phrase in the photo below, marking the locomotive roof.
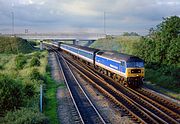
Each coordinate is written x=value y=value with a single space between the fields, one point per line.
x=83 y=48
x=119 y=56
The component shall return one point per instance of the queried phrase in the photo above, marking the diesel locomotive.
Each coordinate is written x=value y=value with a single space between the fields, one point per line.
x=123 y=68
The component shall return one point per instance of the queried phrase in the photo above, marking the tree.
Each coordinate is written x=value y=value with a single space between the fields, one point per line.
x=168 y=33
x=162 y=46
x=130 y=34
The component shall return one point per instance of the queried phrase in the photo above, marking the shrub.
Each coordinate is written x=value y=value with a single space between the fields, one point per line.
x=11 y=93
x=29 y=90
x=20 y=61
x=1 y=67
x=48 y=69
x=35 y=62
x=25 y=116
x=33 y=43
x=37 y=54
x=35 y=75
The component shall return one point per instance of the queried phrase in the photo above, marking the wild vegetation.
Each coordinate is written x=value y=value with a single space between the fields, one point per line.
x=160 y=50
x=130 y=34
x=19 y=85
x=21 y=74
x=14 y=45
x=123 y=44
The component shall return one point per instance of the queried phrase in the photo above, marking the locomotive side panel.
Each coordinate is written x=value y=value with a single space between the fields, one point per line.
x=111 y=65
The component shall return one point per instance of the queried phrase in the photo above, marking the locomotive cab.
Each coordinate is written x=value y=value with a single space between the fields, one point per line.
x=135 y=72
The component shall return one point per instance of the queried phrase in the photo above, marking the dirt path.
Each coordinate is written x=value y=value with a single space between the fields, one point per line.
x=65 y=109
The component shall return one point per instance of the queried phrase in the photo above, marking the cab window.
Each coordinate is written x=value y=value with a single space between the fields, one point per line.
x=135 y=64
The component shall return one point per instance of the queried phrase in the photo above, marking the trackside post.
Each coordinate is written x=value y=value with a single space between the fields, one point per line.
x=41 y=98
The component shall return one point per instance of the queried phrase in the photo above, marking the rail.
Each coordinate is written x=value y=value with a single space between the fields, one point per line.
x=86 y=110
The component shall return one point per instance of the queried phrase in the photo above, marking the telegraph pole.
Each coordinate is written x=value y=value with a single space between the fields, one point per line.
x=12 y=16
x=105 y=23
x=12 y=23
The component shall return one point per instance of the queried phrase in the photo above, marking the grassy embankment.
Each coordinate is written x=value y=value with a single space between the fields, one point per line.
x=27 y=68
x=155 y=79
x=123 y=44
x=34 y=43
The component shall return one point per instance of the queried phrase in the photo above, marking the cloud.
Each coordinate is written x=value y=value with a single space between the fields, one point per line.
x=80 y=8
x=85 y=15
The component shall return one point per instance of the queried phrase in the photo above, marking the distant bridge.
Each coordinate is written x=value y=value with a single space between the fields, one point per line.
x=75 y=37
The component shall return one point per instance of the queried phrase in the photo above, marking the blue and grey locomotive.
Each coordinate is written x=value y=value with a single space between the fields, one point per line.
x=123 y=68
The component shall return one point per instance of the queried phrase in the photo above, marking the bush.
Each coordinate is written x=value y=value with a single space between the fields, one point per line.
x=20 y=61
x=48 y=69
x=37 y=54
x=35 y=75
x=1 y=67
x=11 y=93
x=33 y=43
x=34 y=62
x=29 y=90
x=25 y=116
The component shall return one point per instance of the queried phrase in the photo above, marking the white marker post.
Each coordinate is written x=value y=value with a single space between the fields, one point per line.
x=41 y=100
x=41 y=45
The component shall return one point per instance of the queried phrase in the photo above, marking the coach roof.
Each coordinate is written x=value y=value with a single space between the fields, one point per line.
x=119 y=56
x=83 y=47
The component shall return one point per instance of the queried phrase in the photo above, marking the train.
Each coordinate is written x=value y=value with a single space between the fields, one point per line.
x=123 y=68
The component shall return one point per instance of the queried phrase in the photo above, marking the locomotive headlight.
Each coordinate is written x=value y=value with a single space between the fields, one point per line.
x=137 y=75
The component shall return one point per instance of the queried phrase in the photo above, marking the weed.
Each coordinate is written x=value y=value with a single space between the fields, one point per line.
x=25 y=116
x=20 y=61
x=35 y=62
x=35 y=75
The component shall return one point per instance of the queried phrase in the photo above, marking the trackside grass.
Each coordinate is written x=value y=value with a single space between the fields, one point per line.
x=50 y=108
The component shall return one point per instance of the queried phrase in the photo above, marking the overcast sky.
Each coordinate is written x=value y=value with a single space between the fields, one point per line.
x=52 y=16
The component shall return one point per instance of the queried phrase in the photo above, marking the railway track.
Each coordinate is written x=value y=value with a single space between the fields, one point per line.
x=86 y=110
x=127 y=105
x=169 y=110
x=163 y=104
x=157 y=112
x=161 y=100
x=151 y=104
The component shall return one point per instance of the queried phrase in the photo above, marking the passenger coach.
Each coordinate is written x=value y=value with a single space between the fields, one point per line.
x=83 y=53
